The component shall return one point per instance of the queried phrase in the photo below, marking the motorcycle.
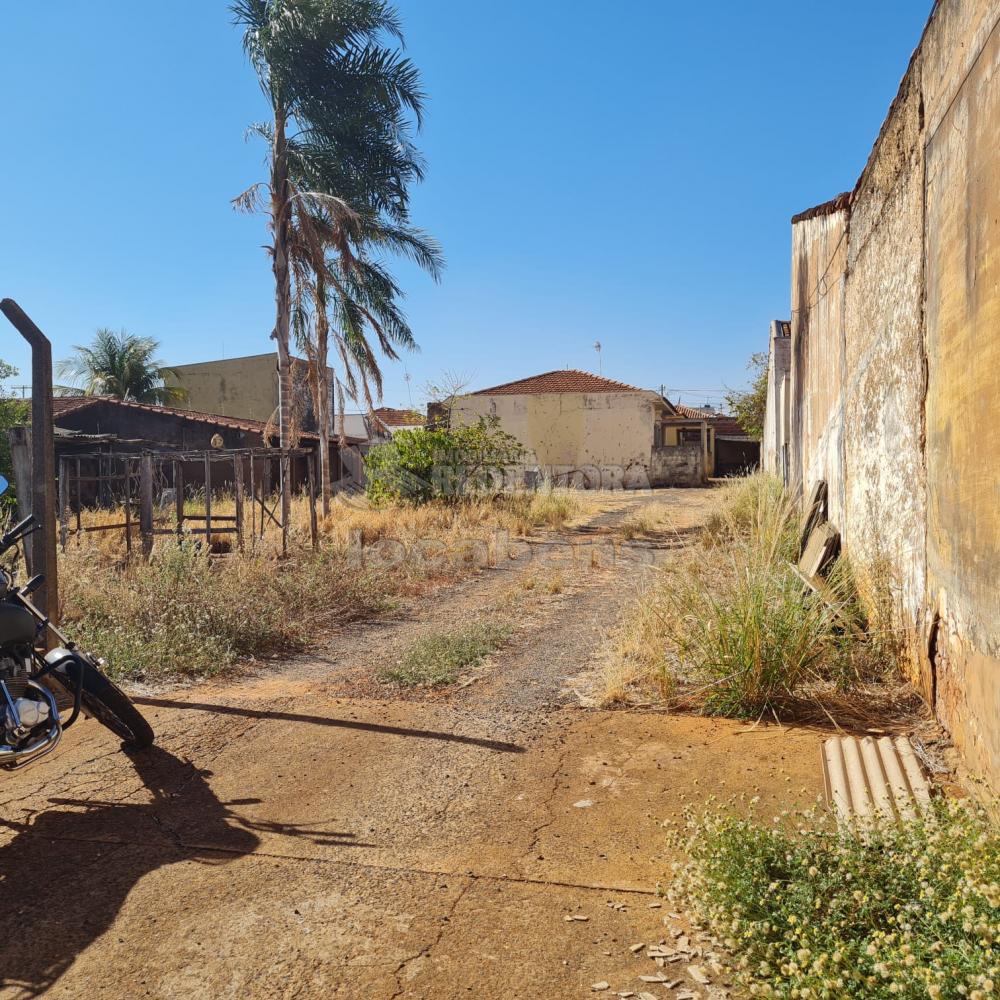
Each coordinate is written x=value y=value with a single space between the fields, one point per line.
x=30 y=678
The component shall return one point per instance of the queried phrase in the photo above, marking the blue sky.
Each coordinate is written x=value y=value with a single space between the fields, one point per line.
x=613 y=172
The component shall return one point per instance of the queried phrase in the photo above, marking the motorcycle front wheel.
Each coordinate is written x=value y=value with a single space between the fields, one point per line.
x=106 y=702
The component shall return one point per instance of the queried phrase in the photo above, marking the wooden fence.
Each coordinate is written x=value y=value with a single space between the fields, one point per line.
x=147 y=484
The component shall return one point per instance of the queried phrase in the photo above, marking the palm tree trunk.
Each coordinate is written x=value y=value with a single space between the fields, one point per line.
x=283 y=300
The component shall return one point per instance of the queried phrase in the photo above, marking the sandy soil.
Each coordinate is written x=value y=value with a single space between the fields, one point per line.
x=311 y=833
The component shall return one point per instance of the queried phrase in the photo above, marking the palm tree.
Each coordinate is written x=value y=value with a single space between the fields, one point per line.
x=351 y=100
x=123 y=365
x=336 y=276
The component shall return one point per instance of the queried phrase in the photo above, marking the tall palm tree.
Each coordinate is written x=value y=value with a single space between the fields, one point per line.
x=338 y=278
x=123 y=365
x=333 y=83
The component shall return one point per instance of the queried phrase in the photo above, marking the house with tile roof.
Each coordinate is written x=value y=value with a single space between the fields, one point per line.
x=730 y=450
x=586 y=430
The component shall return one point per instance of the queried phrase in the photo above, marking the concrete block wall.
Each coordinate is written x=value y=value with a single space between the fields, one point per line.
x=894 y=385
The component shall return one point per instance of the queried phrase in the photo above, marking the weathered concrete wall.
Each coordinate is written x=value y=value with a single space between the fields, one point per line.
x=963 y=401
x=677 y=465
x=895 y=371
x=609 y=434
x=242 y=387
x=774 y=439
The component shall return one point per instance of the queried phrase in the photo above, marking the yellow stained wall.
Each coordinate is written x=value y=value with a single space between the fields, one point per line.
x=963 y=407
x=569 y=430
x=234 y=387
x=895 y=395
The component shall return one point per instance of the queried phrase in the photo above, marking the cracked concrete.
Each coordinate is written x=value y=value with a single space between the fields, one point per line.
x=306 y=834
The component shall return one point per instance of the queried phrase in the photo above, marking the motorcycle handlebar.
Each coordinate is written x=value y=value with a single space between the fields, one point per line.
x=12 y=537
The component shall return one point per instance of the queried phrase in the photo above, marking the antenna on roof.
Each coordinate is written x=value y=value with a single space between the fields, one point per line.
x=600 y=367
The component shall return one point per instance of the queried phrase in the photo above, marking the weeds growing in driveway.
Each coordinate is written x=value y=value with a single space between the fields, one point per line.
x=181 y=614
x=807 y=911
x=732 y=629
x=438 y=658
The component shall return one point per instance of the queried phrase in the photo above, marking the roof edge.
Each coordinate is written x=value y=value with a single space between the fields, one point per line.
x=839 y=204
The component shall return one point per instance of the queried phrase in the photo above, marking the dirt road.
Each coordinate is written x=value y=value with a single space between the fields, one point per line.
x=295 y=836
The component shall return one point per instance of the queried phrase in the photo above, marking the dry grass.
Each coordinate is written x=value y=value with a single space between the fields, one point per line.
x=186 y=613
x=729 y=629
x=651 y=519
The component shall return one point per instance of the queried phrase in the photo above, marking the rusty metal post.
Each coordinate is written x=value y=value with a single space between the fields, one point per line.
x=146 y=503
x=41 y=546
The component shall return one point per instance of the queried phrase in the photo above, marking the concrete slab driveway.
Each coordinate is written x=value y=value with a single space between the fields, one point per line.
x=283 y=840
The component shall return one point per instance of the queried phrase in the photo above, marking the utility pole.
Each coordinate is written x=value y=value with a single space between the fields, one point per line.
x=600 y=366
x=40 y=548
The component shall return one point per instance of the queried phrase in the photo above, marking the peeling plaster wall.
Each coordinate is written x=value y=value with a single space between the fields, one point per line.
x=819 y=255
x=895 y=382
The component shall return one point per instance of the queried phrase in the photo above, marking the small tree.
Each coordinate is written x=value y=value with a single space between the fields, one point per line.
x=748 y=407
x=442 y=395
x=13 y=411
x=418 y=466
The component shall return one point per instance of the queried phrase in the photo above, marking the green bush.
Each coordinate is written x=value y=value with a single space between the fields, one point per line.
x=12 y=412
x=421 y=465
x=909 y=911
x=439 y=657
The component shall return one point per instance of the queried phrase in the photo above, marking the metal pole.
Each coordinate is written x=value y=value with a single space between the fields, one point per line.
x=41 y=547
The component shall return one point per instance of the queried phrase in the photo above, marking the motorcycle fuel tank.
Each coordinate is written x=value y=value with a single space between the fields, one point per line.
x=17 y=626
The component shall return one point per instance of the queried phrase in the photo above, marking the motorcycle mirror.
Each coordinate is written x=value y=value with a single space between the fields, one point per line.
x=4 y=486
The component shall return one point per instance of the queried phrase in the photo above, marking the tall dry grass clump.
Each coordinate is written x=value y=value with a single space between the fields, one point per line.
x=732 y=630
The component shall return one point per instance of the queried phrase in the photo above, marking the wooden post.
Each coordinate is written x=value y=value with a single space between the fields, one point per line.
x=286 y=507
x=146 y=502
x=128 y=506
x=253 y=503
x=238 y=488
x=63 y=503
x=41 y=546
x=704 y=452
x=313 y=527
x=79 y=504
x=208 y=500
x=179 y=499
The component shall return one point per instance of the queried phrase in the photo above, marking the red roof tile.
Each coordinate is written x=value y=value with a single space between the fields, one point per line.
x=565 y=380
x=722 y=422
x=399 y=418
x=63 y=405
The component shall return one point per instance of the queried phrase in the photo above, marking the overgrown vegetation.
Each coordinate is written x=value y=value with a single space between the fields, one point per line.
x=13 y=411
x=732 y=630
x=180 y=614
x=748 y=407
x=909 y=911
x=441 y=464
x=438 y=658
x=187 y=614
